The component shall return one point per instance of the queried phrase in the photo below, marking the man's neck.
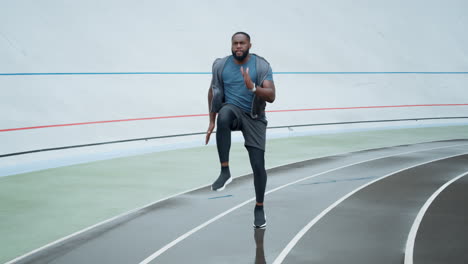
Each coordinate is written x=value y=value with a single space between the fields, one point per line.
x=243 y=61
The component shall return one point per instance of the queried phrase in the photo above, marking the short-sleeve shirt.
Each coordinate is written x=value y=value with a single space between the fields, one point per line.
x=235 y=90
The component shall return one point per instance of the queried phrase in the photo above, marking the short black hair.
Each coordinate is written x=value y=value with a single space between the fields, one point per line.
x=243 y=33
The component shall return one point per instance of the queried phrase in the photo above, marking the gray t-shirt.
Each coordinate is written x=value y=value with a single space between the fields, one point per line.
x=235 y=90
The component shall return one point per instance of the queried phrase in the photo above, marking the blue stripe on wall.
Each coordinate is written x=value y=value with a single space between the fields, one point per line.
x=198 y=73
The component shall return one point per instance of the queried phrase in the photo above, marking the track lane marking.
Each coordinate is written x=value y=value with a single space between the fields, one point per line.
x=199 y=227
x=307 y=227
x=417 y=221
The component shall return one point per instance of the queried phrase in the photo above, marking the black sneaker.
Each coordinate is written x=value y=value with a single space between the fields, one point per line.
x=259 y=217
x=221 y=182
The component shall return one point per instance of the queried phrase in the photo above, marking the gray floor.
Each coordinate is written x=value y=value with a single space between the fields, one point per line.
x=370 y=199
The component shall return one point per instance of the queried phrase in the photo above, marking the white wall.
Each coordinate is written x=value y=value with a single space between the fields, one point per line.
x=186 y=36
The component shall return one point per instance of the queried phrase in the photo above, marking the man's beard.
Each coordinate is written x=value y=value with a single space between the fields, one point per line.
x=242 y=57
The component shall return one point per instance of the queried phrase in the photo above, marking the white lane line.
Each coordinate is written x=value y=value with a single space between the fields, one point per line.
x=306 y=228
x=414 y=228
x=57 y=242
x=184 y=236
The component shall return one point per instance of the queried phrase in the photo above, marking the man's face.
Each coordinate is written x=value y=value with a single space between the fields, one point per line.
x=240 y=47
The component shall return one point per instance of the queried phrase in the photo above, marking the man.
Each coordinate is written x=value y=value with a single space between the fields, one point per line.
x=240 y=87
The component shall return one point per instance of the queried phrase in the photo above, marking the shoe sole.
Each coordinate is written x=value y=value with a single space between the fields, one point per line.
x=224 y=186
x=260 y=227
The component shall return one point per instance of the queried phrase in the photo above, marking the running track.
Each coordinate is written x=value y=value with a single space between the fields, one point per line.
x=403 y=204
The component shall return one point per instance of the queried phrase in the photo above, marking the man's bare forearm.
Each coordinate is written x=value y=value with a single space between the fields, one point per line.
x=266 y=93
x=212 y=117
x=210 y=100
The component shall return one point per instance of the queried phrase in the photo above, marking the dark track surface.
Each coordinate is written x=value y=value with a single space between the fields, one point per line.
x=370 y=226
x=443 y=233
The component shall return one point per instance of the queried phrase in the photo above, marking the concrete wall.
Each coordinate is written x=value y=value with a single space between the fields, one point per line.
x=186 y=36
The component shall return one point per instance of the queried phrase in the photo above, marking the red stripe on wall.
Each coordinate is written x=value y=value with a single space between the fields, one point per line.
x=199 y=115
x=100 y=122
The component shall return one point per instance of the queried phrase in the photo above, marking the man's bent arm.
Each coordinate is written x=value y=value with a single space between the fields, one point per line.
x=267 y=92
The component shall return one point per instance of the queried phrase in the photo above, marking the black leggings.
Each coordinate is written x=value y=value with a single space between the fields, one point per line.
x=226 y=123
